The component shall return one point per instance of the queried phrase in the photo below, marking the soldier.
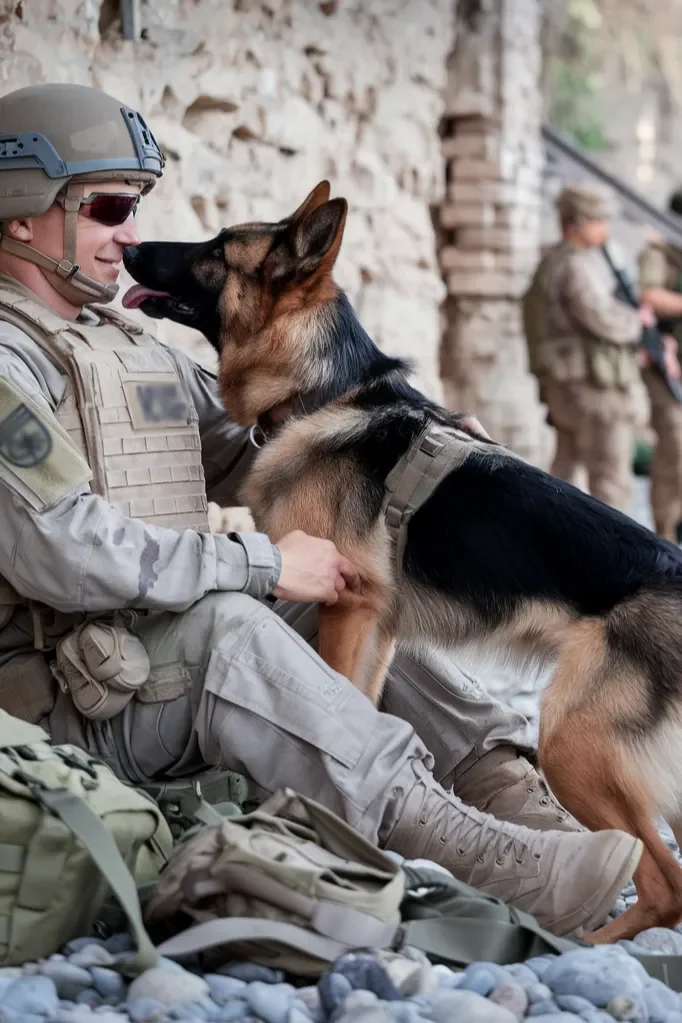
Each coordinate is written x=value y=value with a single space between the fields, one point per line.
x=108 y=444
x=582 y=345
x=660 y=268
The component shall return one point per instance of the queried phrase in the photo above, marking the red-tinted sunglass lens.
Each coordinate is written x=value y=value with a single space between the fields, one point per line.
x=110 y=210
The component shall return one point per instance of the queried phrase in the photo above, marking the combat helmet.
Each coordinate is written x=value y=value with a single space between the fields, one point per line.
x=54 y=138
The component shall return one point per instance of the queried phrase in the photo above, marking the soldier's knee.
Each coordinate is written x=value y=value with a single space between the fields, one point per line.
x=189 y=637
x=219 y=613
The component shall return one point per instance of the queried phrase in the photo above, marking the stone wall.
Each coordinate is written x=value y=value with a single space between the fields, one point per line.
x=254 y=102
x=490 y=220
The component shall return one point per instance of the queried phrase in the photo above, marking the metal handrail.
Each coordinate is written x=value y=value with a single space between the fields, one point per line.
x=634 y=205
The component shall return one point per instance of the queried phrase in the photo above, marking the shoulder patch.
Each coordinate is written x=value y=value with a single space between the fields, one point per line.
x=24 y=441
x=37 y=458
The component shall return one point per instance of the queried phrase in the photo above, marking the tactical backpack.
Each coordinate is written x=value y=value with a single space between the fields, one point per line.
x=289 y=885
x=69 y=831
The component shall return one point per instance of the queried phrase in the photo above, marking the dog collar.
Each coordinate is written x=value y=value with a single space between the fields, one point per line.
x=273 y=419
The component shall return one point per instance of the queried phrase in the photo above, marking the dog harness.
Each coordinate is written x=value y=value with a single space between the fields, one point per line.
x=435 y=452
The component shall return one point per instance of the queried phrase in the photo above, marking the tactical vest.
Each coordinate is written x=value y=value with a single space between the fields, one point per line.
x=570 y=354
x=673 y=258
x=124 y=407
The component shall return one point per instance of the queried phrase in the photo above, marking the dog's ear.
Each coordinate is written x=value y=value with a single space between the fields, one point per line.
x=319 y=195
x=310 y=244
x=318 y=236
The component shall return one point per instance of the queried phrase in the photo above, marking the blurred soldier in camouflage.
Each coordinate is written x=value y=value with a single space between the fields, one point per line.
x=582 y=345
x=660 y=268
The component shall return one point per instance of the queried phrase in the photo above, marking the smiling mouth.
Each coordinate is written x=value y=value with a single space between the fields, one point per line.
x=155 y=303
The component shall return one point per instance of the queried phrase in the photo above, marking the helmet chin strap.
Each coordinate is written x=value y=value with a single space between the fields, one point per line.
x=69 y=280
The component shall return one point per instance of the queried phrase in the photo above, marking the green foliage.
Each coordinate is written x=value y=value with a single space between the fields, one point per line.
x=574 y=77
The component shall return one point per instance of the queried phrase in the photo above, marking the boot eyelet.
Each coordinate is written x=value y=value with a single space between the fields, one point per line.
x=460 y=851
x=530 y=789
x=543 y=801
x=423 y=821
x=499 y=861
x=479 y=859
x=537 y=855
x=442 y=839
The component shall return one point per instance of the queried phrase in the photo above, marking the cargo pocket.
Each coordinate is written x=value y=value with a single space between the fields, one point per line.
x=274 y=674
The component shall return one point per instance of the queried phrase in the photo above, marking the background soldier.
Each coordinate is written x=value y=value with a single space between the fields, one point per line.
x=660 y=268
x=582 y=345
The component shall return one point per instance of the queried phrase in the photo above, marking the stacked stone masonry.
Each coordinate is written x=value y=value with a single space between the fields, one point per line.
x=254 y=102
x=490 y=219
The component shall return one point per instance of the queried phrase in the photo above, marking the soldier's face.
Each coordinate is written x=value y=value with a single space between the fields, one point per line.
x=99 y=247
x=594 y=233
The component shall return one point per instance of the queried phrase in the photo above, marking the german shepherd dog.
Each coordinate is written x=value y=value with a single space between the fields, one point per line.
x=501 y=552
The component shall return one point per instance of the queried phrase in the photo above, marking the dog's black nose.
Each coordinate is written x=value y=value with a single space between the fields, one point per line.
x=130 y=254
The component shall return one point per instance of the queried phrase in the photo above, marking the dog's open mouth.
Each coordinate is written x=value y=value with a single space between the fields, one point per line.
x=156 y=303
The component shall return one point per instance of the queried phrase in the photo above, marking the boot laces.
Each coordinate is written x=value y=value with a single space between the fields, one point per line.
x=476 y=834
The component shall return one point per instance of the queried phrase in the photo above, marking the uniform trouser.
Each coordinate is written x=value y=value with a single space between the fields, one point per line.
x=666 y=468
x=234 y=686
x=595 y=428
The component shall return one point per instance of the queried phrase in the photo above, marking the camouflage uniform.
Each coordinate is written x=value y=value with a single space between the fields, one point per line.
x=660 y=266
x=582 y=347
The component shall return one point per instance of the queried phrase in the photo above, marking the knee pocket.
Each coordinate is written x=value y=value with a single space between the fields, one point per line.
x=271 y=672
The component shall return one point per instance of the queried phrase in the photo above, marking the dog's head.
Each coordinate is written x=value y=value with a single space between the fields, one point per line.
x=244 y=290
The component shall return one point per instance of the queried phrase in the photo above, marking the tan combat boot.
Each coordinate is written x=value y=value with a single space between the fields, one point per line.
x=569 y=882
x=505 y=784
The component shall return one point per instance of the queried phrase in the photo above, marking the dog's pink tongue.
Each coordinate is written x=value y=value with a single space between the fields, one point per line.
x=136 y=295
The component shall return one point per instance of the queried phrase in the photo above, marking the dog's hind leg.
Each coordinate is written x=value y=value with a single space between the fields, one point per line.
x=356 y=635
x=351 y=643
x=378 y=662
x=599 y=776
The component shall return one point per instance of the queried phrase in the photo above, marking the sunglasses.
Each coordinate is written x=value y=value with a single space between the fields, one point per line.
x=108 y=208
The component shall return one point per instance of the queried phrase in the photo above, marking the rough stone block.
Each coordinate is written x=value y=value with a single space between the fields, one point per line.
x=477 y=214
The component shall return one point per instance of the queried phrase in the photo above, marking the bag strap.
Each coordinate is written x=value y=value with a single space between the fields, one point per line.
x=511 y=937
x=460 y=941
x=207 y=799
x=238 y=928
x=86 y=826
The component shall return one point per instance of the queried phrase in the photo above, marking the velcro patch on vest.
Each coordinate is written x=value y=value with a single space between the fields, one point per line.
x=157 y=402
x=36 y=458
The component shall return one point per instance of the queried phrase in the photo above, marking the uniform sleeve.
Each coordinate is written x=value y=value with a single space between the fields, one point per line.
x=69 y=548
x=595 y=309
x=227 y=452
x=653 y=268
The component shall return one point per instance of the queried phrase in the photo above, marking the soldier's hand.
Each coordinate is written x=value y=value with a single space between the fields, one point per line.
x=313 y=570
x=670 y=357
x=647 y=315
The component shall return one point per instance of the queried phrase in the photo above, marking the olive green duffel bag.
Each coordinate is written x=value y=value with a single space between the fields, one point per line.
x=70 y=831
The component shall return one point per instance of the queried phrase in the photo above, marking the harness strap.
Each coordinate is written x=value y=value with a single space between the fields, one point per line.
x=434 y=454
